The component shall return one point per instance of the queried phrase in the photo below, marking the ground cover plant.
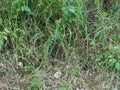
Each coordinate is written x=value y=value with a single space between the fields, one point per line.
x=59 y=44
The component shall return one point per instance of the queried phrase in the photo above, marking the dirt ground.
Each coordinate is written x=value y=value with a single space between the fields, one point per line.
x=72 y=75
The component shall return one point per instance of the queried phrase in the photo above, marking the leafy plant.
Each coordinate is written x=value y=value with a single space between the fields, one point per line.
x=68 y=87
x=34 y=83
x=74 y=72
x=117 y=66
x=109 y=59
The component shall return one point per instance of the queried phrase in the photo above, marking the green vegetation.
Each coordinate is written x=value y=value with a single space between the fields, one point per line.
x=37 y=35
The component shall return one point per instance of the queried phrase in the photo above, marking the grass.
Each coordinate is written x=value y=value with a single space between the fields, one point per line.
x=83 y=35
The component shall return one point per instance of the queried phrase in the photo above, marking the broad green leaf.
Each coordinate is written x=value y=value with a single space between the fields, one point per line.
x=1 y=43
x=1 y=21
x=71 y=9
x=25 y=8
x=117 y=66
x=68 y=9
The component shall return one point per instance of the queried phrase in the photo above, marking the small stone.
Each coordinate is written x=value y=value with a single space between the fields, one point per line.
x=58 y=74
x=80 y=89
x=55 y=89
x=67 y=66
x=90 y=74
x=115 y=87
x=77 y=89
x=20 y=64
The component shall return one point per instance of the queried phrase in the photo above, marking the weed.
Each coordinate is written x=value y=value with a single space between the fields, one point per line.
x=74 y=72
x=34 y=82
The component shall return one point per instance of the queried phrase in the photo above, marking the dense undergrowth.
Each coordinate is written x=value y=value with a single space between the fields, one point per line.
x=33 y=31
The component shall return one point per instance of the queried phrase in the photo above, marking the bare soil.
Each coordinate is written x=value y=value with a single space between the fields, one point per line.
x=84 y=80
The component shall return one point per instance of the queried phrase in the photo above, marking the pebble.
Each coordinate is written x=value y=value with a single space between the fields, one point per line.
x=58 y=74
x=20 y=64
